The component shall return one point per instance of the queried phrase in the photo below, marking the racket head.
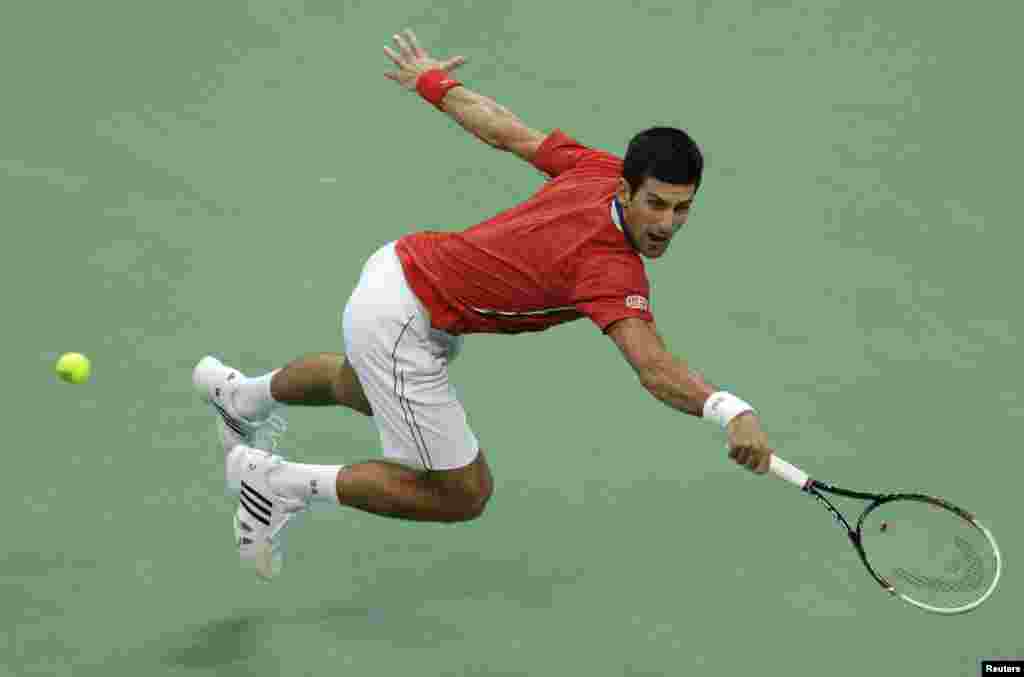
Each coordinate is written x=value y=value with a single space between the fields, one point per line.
x=930 y=553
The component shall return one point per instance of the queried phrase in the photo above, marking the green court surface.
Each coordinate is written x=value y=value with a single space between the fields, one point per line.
x=192 y=177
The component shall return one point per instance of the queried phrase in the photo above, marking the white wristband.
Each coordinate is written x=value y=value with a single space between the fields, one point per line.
x=723 y=407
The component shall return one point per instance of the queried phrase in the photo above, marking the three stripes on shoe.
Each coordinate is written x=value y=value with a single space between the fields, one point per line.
x=256 y=504
x=229 y=421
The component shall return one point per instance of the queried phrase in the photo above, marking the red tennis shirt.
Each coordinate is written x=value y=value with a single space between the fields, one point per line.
x=554 y=258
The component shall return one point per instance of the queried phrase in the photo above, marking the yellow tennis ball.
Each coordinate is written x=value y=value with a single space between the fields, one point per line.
x=73 y=367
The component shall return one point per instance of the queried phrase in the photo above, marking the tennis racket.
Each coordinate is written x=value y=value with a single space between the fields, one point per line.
x=919 y=548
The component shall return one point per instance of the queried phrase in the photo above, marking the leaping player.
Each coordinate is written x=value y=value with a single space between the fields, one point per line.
x=574 y=249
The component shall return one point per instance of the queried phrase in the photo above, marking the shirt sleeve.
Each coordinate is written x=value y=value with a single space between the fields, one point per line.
x=559 y=153
x=607 y=291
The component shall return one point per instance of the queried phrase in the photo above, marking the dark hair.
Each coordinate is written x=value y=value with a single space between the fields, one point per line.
x=664 y=153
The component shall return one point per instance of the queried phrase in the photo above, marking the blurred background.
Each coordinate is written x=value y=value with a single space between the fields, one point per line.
x=187 y=178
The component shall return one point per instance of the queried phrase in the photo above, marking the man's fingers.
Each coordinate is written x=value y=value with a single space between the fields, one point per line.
x=755 y=456
x=394 y=57
x=417 y=51
x=760 y=459
x=392 y=76
x=403 y=47
x=453 y=63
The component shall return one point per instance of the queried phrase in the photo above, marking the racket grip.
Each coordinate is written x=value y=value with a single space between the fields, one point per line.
x=789 y=472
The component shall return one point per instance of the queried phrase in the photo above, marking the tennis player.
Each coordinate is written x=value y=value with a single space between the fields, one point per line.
x=574 y=249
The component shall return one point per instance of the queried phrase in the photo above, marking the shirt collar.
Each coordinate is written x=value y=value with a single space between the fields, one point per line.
x=618 y=219
x=617 y=213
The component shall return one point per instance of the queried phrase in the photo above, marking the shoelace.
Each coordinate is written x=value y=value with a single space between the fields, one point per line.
x=289 y=506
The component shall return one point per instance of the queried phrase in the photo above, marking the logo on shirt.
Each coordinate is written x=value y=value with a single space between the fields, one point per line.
x=636 y=302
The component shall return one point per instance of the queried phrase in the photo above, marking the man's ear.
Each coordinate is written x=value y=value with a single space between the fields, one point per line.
x=623 y=193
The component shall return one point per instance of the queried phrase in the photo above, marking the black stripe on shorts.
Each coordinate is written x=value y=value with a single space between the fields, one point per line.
x=406 y=405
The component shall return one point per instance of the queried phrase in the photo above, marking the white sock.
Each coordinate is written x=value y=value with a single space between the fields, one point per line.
x=252 y=398
x=315 y=483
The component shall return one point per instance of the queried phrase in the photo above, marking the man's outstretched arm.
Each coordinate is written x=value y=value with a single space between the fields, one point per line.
x=671 y=381
x=479 y=115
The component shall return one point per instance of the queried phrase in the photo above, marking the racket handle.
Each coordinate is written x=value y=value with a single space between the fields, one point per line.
x=789 y=472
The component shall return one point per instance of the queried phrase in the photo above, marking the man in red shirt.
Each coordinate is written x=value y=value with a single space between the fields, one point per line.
x=574 y=249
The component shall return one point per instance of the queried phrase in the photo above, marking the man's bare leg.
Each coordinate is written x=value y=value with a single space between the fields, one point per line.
x=393 y=490
x=320 y=379
x=379 y=487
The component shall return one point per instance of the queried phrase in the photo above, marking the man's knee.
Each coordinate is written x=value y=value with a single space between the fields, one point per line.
x=477 y=499
x=471 y=490
x=348 y=391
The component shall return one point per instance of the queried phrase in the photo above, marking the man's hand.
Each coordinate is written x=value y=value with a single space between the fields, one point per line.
x=412 y=60
x=482 y=117
x=748 y=445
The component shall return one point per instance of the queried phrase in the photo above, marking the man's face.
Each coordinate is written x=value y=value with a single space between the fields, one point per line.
x=655 y=213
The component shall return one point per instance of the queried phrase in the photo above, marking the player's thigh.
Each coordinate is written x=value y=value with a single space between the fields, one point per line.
x=421 y=421
x=402 y=366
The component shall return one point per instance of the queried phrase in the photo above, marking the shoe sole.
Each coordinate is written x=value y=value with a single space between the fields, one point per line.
x=264 y=562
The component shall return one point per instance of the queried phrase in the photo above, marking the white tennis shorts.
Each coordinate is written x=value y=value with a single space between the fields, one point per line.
x=402 y=364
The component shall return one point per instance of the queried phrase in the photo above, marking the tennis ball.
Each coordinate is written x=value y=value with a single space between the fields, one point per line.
x=73 y=367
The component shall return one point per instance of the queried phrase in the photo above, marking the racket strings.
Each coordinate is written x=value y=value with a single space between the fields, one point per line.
x=929 y=553
x=970 y=566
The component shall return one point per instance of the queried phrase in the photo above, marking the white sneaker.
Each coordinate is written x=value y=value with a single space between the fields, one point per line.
x=216 y=384
x=262 y=514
